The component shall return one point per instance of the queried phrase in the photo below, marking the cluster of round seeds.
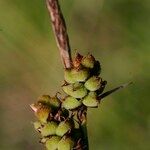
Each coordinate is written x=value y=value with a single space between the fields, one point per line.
x=56 y=117
x=53 y=123
x=83 y=84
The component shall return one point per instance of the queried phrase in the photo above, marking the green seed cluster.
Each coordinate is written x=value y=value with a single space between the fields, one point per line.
x=83 y=84
x=59 y=119
x=53 y=123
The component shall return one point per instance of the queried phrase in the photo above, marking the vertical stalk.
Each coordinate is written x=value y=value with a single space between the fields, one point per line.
x=82 y=117
x=60 y=31
x=85 y=134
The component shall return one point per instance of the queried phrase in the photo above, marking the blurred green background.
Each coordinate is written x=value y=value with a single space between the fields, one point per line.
x=116 y=32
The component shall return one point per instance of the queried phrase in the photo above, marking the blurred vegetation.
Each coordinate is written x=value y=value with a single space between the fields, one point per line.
x=116 y=32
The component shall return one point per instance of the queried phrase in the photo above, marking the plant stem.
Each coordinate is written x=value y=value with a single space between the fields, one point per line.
x=85 y=134
x=60 y=31
x=82 y=117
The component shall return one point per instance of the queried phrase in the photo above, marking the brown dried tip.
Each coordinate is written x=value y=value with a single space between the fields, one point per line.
x=77 y=60
x=34 y=108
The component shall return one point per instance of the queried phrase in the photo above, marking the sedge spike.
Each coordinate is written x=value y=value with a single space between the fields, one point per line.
x=62 y=121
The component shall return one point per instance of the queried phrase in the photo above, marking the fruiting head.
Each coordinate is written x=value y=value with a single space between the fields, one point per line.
x=52 y=143
x=88 y=61
x=49 y=129
x=93 y=83
x=76 y=90
x=91 y=100
x=71 y=103
x=55 y=102
x=80 y=74
x=63 y=128
x=66 y=144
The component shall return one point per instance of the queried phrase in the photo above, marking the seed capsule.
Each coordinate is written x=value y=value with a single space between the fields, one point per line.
x=80 y=75
x=88 y=61
x=71 y=103
x=54 y=102
x=76 y=75
x=69 y=77
x=49 y=129
x=41 y=111
x=90 y=100
x=52 y=143
x=76 y=90
x=66 y=144
x=63 y=128
x=44 y=99
x=49 y=101
x=93 y=83
x=43 y=114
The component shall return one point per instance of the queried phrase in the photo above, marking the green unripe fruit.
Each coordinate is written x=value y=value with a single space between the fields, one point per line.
x=44 y=99
x=69 y=77
x=65 y=144
x=76 y=90
x=90 y=100
x=63 y=128
x=76 y=75
x=88 y=61
x=52 y=143
x=93 y=83
x=55 y=102
x=71 y=103
x=41 y=111
x=80 y=75
x=37 y=125
x=49 y=129
x=49 y=101
x=43 y=114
